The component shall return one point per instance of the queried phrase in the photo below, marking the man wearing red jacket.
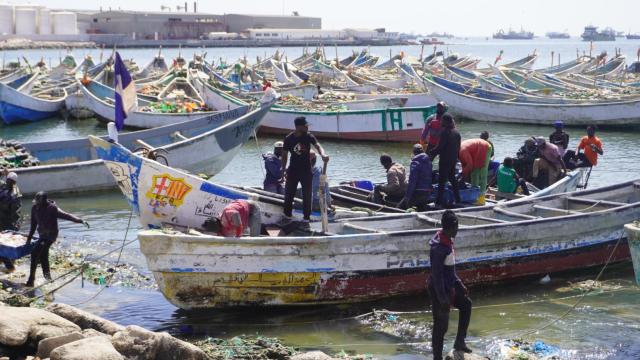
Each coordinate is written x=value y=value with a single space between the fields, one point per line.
x=475 y=155
x=430 y=136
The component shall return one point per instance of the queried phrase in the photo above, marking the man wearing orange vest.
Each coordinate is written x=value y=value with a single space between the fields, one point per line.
x=475 y=155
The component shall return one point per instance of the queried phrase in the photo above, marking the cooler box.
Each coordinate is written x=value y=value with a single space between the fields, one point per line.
x=12 y=246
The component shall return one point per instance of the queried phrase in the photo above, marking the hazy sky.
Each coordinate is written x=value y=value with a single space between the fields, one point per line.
x=460 y=17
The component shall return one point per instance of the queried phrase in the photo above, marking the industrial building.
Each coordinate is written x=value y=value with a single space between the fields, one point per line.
x=36 y=21
x=238 y=23
x=318 y=34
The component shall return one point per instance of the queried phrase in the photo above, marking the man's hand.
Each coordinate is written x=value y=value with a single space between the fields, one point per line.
x=325 y=158
x=85 y=223
x=28 y=240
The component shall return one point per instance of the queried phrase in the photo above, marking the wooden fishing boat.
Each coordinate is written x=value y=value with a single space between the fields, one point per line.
x=99 y=99
x=618 y=113
x=376 y=257
x=524 y=63
x=161 y=195
x=19 y=103
x=571 y=67
x=72 y=165
x=610 y=70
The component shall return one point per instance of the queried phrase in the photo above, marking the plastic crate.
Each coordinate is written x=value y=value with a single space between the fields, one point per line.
x=468 y=195
x=363 y=184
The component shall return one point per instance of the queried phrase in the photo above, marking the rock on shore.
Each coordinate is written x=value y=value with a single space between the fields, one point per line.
x=16 y=44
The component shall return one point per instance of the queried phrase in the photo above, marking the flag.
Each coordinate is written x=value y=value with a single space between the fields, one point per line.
x=126 y=98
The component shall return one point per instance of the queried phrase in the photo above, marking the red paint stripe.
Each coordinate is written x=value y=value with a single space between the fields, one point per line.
x=361 y=285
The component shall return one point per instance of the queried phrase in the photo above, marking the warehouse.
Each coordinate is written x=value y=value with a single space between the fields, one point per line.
x=239 y=23
x=293 y=34
x=156 y=25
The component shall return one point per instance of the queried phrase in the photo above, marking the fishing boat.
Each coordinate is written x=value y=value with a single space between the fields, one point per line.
x=20 y=101
x=461 y=103
x=165 y=196
x=376 y=257
x=571 y=67
x=99 y=98
x=558 y=35
x=204 y=145
x=591 y=33
x=610 y=70
x=524 y=63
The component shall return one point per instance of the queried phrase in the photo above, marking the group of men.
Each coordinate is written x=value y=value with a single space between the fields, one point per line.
x=441 y=139
x=544 y=162
x=44 y=218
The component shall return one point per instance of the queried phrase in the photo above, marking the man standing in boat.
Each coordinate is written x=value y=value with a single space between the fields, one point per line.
x=273 y=167
x=433 y=127
x=297 y=145
x=475 y=156
x=448 y=149
x=445 y=287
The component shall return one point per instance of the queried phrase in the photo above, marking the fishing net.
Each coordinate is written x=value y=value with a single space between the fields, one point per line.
x=13 y=155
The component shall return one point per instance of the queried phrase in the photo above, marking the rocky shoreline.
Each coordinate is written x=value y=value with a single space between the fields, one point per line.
x=19 y=44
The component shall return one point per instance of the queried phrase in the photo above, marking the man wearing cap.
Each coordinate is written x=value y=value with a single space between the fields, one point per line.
x=419 y=187
x=9 y=210
x=297 y=145
x=273 y=167
x=549 y=161
x=430 y=136
x=559 y=138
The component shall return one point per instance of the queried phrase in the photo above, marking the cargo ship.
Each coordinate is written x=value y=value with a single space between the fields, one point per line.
x=631 y=36
x=513 y=35
x=591 y=33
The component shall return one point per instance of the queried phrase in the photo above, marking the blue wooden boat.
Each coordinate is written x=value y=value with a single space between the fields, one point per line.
x=18 y=103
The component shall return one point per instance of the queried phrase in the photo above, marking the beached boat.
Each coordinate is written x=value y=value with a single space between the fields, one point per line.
x=610 y=70
x=618 y=113
x=376 y=257
x=20 y=102
x=204 y=145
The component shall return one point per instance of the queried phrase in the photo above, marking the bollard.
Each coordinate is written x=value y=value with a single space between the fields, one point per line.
x=633 y=238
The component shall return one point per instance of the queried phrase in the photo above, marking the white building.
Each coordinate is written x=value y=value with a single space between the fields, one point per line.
x=372 y=34
x=294 y=34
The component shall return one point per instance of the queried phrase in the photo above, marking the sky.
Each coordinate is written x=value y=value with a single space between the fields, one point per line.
x=459 y=17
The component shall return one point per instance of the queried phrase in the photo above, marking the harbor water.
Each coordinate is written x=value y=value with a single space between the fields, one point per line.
x=605 y=325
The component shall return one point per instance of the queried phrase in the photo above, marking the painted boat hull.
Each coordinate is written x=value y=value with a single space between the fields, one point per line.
x=626 y=113
x=208 y=271
x=16 y=106
x=72 y=165
x=392 y=124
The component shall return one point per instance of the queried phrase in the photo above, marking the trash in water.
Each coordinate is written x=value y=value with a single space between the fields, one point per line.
x=545 y=280
x=418 y=334
x=245 y=347
x=589 y=285
x=524 y=350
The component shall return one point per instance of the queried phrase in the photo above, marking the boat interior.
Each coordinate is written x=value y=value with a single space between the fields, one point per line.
x=568 y=204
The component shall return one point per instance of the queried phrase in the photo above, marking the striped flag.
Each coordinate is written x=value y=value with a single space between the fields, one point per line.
x=126 y=98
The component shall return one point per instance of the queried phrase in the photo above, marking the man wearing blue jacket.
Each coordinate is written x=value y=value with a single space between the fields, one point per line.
x=446 y=288
x=420 y=178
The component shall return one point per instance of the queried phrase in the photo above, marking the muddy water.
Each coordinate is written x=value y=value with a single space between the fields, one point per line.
x=605 y=325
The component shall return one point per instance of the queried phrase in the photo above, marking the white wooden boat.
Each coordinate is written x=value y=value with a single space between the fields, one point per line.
x=99 y=98
x=370 y=258
x=164 y=196
x=73 y=166
x=618 y=113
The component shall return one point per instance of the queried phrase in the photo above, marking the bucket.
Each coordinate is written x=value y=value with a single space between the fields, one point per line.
x=633 y=238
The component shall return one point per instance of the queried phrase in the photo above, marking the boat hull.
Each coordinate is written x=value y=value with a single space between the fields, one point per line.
x=626 y=113
x=392 y=124
x=12 y=114
x=16 y=106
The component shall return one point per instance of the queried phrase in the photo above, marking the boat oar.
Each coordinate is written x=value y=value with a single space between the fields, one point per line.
x=323 y=200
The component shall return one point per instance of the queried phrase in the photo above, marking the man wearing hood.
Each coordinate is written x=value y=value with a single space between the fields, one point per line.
x=445 y=287
x=420 y=177
x=44 y=217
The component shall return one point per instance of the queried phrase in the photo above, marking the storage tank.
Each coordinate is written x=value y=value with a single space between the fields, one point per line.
x=44 y=21
x=25 y=20
x=64 y=23
x=6 y=19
